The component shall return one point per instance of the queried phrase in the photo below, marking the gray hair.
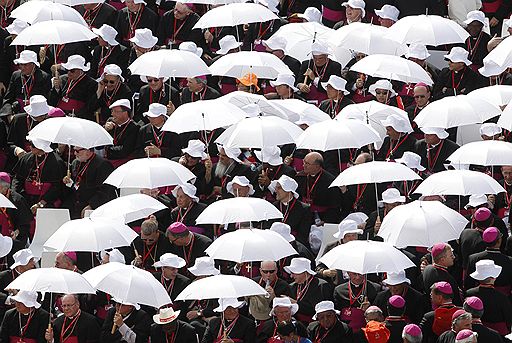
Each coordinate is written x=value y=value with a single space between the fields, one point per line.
x=465 y=316
x=149 y=226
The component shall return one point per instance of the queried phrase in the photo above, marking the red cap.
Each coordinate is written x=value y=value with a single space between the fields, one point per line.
x=437 y=249
x=490 y=235
x=475 y=303
x=457 y=314
x=482 y=214
x=177 y=228
x=5 y=177
x=397 y=301
x=444 y=287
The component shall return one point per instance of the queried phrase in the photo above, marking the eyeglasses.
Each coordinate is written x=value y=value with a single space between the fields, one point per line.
x=267 y=271
x=419 y=96
x=381 y=92
x=112 y=82
x=152 y=80
x=68 y=305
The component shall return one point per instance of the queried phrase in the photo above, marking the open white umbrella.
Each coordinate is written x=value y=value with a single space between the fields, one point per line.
x=77 y=2
x=499 y=95
x=392 y=68
x=483 y=153
x=374 y=172
x=238 y=210
x=505 y=120
x=36 y=11
x=337 y=134
x=235 y=14
x=91 y=234
x=72 y=131
x=366 y=257
x=130 y=208
x=502 y=54
x=238 y=64
x=459 y=182
x=421 y=224
x=128 y=283
x=52 y=280
x=149 y=173
x=221 y=286
x=296 y=110
x=249 y=245
x=260 y=132
x=242 y=99
x=300 y=36
x=368 y=39
x=53 y=32
x=428 y=30
x=453 y=111
x=169 y=63
x=203 y=115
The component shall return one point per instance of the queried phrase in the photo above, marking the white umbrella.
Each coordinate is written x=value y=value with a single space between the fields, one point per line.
x=502 y=54
x=88 y=234
x=249 y=245
x=367 y=38
x=72 y=131
x=215 y=2
x=203 y=115
x=52 y=280
x=453 y=111
x=296 y=110
x=130 y=208
x=221 y=286
x=392 y=68
x=459 y=182
x=235 y=14
x=169 y=63
x=238 y=210
x=374 y=172
x=238 y=64
x=505 y=120
x=6 y=203
x=149 y=173
x=483 y=153
x=128 y=283
x=499 y=95
x=337 y=134
x=53 y=32
x=260 y=132
x=427 y=30
x=242 y=99
x=77 y=2
x=300 y=36
x=366 y=257
x=35 y=11
x=421 y=224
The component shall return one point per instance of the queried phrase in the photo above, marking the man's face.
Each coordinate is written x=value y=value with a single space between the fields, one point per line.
x=418 y=61
x=397 y=289
x=474 y=28
x=223 y=158
x=26 y=68
x=132 y=6
x=356 y=278
x=21 y=308
x=149 y=239
x=282 y=313
x=382 y=95
x=506 y=171
x=283 y=90
x=30 y=265
x=111 y=82
x=170 y=272
x=62 y=262
x=191 y=161
x=332 y=93
x=349 y=237
x=463 y=324
x=320 y=60
x=300 y=278
x=81 y=154
x=230 y=313
x=421 y=96
x=386 y=22
x=157 y=121
x=180 y=11
x=353 y=14
x=281 y=194
x=431 y=138
x=155 y=83
x=326 y=319
x=124 y=309
x=120 y=115
x=74 y=74
x=311 y=166
x=194 y=85
x=70 y=306
x=455 y=66
x=449 y=259
x=241 y=191
x=182 y=200
x=392 y=133
x=268 y=271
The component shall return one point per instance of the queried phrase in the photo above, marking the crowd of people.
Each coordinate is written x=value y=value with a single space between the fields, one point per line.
x=458 y=291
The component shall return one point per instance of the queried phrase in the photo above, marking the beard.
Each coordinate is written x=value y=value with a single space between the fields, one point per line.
x=221 y=169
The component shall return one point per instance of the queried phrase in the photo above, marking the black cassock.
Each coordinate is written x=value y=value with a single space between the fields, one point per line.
x=195 y=249
x=138 y=321
x=497 y=308
x=168 y=142
x=128 y=22
x=85 y=328
x=243 y=330
x=433 y=158
x=29 y=328
x=78 y=97
x=340 y=332
x=185 y=333
x=172 y=30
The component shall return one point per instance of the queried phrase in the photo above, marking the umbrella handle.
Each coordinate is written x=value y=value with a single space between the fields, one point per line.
x=114 y=326
x=135 y=251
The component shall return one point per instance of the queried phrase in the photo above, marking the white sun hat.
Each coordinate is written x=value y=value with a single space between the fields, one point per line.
x=299 y=265
x=107 y=33
x=287 y=184
x=170 y=260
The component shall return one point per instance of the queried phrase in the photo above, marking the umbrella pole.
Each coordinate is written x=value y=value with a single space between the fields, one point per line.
x=339 y=159
x=69 y=161
x=377 y=202
x=114 y=326
x=50 y=313
x=205 y=136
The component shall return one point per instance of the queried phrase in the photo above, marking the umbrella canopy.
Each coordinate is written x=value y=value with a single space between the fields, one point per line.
x=238 y=210
x=6 y=203
x=505 y=120
x=221 y=286
x=88 y=234
x=72 y=131
x=130 y=208
x=421 y=224
x=215 y=2
x=502 y=54
x=427 y=30
x=35 y=11
x=169 y=63
x=238 y=64
x=242 y=99
x=498 y=95
x=337 y=134
x=365 y=257
x=300 y=36
x=53 y=32
x=52 y=280
x=296 y=110
x=149 y=173
x=483 y=153
x=128 y=283
x=235 y=14
x=203 y=115
x=392 y=68
x=260 y=132
x=453 y=111
x=374 y=172
x=459 y=182
x=367 y=38
x=248 y=245
x=77 y=2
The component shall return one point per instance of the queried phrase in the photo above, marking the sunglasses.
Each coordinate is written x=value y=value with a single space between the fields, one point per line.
x=267 y=271
x=112 y=82
x=419 y=96
x=152 y=80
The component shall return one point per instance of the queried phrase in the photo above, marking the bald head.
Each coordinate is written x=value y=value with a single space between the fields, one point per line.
x=313 y=163
x=363 y=158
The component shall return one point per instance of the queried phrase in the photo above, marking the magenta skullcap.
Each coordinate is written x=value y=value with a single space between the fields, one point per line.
x=5 y=177
x=56 y=112
x=412 y=330
x=482 y=214
x=177 y=228
x=438 y=249
x=475 y=303
x=397 y=301
x=443 y=287
x=190 y=5
x=464 y=334
x=490 y=234
x=71 y=255
x=422 y=84
x=457 y=314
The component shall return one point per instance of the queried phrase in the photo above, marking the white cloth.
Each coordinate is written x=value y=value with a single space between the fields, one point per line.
x=459 y=9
